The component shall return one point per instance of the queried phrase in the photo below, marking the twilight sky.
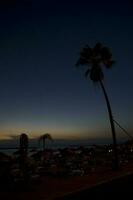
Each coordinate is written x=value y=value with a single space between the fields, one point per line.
x=40 y=88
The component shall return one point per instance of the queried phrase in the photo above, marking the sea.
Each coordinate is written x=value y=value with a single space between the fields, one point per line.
x=10 y=146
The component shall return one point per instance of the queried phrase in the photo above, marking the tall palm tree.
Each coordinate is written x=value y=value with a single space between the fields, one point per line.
x=43 y=139
x=94 y=59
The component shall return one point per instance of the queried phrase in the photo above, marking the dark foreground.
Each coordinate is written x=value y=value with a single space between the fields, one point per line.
x=122 y=187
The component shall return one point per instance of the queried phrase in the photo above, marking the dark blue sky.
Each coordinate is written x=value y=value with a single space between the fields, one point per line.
x=40 y=88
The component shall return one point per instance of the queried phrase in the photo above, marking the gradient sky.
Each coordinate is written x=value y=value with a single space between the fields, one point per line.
x=40 y=88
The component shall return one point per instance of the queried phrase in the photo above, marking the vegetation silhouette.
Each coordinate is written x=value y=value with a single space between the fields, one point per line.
x=95 y=59
x=43 y=139
x=24 y=142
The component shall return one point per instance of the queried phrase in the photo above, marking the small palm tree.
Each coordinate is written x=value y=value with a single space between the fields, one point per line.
x=43 y=139
x=94 y=59
x=24 y=142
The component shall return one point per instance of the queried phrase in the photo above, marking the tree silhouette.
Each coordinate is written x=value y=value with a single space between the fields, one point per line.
x=43 y=139
x=94 y=59
x=24 y=142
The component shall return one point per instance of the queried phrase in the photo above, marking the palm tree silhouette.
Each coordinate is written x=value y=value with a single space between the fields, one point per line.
x=43 y=139
x=24 y=142
x=94 y=59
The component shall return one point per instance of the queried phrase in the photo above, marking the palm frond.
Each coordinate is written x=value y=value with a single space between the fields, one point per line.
x=109 y=63
x=96 y=73
x=97 y=48
x=81 y=61
x=46 y=136
x=86 y=52
x=106 y=53
x=87 y=73
x=95 y=58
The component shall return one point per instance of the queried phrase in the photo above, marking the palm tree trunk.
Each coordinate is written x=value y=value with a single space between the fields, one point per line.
x=115 y=159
